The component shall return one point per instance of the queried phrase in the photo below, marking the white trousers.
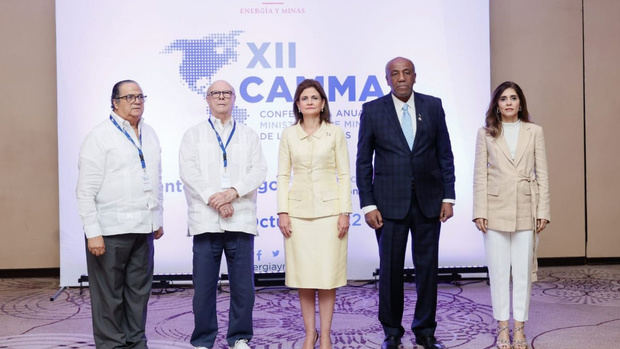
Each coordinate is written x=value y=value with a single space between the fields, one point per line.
x=510 y=254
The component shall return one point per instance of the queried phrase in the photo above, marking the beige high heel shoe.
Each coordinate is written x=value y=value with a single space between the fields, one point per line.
x=503 y=343
x=519 y=343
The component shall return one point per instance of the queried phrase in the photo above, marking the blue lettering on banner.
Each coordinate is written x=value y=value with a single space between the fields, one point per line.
x=203 y=58
x=258 y=55
x=266 y=186
x=173 y=187
x=243 y=89
x=177 y=187
x=347 y=85
x=267 y=222
x=356 y=219
x=270 y=55
x=272 y=221
x=269 y=268
x=280 y=89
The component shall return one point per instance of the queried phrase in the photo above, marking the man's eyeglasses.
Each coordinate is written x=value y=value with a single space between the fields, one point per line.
x=220 y=94
x=132 y=98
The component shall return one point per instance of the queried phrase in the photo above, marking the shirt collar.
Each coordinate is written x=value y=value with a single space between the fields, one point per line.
x=124 y=123
x=317 y=134
x=219 y=124
x=398 y=104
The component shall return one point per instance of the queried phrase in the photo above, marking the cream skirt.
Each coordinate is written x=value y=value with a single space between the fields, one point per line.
x=315 y=257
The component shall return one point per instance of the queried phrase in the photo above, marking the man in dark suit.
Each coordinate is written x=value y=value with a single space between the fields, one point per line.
x=410 y=186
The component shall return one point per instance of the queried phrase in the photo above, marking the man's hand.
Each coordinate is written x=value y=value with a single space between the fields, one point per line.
x=217 y=200
x=446 y=212
x=158 y=233
x=374 y=219
x=226 y=210
x=96 y=245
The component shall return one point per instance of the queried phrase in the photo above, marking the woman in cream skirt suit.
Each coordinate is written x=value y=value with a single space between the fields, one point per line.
x=511 y=205
x=314 y=210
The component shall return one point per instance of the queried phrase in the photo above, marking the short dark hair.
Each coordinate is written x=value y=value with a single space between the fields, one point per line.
x=493 y=120
x=387 y=65
x=325 y=115
x=115 y=89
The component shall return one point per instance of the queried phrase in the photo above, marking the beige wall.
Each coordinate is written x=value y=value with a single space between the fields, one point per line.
x=538 y=44
x=28 y=162
x=535 y=43
x=602 y=58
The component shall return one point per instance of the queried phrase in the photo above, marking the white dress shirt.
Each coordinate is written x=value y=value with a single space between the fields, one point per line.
x=202 y=171
x=398 y=105
x=510 y=131
x=114 y=194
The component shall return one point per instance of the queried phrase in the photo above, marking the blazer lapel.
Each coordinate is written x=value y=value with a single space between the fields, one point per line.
x=503 y=146
x=393 y=122
x=525 y=136
x=301 y=134
x=420 y=111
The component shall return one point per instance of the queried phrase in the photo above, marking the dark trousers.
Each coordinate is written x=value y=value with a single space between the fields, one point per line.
x=120 y=284
x=239 y=250
x=392 y=239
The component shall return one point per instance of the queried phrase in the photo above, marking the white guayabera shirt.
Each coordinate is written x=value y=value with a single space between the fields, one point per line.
x=115 y=195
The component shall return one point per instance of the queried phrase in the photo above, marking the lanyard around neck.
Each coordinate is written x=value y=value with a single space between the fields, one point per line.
x=140 y=154
x=219 y=140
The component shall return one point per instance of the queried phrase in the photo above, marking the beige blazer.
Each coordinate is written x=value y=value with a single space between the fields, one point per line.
x=511 y=194
x=321 y=184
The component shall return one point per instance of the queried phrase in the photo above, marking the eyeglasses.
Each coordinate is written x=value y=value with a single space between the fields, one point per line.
x=132 y=98
x=220 y=94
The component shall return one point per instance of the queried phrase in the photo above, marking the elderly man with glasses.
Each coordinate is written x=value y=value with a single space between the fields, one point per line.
x=222 y=165
x=119 y=199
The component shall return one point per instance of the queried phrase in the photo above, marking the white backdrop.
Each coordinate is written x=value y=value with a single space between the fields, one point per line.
x=175 y=49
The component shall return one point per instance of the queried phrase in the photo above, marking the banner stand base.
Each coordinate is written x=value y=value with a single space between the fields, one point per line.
x=451 y=274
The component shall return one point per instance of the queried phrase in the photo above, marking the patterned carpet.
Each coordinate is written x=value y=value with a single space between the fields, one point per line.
x=572 y=307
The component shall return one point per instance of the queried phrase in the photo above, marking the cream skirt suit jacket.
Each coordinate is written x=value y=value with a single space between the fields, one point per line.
x=319 y=192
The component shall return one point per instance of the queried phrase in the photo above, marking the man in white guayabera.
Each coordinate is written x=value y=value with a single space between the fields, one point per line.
x=222 y=165
x=120 y=202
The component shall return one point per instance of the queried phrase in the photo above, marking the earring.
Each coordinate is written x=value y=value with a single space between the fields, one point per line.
x=497 y=111
x=322 y=109
x=520 y=108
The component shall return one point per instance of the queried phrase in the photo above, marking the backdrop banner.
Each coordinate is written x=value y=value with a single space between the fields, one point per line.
x=174 y=50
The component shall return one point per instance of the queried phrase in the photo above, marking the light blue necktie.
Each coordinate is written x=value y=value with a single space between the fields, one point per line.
x=406 y=125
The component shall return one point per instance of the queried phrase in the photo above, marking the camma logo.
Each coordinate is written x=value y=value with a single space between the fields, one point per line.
x=205 y=57
x=279 y=55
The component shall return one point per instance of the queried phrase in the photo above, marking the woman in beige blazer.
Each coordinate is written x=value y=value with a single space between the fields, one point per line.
x=511 y=204
x=314 y=210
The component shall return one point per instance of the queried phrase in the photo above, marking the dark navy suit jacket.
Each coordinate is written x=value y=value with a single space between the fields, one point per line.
x=388 y=183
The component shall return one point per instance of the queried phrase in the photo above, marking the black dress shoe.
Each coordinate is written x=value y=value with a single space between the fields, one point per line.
x=391 y=342
x=429 y=342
